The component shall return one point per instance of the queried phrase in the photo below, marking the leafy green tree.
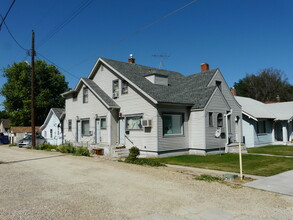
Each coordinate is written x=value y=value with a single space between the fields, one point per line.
x=265 y=86
x=50 y=83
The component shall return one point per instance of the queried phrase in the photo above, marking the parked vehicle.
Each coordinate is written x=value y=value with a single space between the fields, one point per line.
x=27 y=141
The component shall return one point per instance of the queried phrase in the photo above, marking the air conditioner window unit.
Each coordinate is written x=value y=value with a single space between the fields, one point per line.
x=147 y=123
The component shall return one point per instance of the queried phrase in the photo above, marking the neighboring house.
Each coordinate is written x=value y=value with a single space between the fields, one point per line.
x=159 y=111
x=52 y=127
x=17 y=133
x=265 y=124
x=283 y=126
x=5 y=126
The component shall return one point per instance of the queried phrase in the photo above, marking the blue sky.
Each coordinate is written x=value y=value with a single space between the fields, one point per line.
x=237 y=36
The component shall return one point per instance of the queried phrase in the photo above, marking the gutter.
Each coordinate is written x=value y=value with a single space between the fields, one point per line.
x=227 y=130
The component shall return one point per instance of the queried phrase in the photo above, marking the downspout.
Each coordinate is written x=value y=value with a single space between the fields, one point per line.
x=227 y=130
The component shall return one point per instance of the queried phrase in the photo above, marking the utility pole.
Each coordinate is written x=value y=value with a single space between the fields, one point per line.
x=33 y=92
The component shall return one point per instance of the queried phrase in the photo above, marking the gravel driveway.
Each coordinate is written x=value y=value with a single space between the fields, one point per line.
x=50 y=185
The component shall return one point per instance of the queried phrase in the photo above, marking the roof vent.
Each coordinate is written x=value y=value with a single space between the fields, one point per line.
x=131 y=59
x=204 y=67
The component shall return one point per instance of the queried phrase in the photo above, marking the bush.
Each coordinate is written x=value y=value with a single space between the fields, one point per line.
x=66 y=148
x=132 y=158
x=133 y=153
x=209 y=178
x=82 y=151
x=46 y=146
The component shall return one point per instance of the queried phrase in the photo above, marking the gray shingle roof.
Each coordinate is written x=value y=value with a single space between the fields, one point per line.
x=107 y=99
x=58 y=112
x=189 y=90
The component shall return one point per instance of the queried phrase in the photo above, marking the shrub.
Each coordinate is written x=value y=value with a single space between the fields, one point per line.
x=12 y=145
x=46 y=146
x=66 y=148
x=133 y=153
x=132 y=158
x=82 y=151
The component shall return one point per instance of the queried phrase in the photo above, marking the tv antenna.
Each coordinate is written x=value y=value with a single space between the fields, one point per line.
x=161 y=56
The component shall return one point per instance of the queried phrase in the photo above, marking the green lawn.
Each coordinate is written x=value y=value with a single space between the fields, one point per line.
x=273 y=149
x=252 y=164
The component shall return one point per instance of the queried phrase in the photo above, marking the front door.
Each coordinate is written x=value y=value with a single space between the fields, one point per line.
x=98 y=131
x=122 y=131
x=78 y=131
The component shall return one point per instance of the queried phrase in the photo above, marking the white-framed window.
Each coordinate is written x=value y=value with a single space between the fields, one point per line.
x=211 y=121
x=115 y=88
x=124 y=87
x=103 y=123
x=85 y=95
x=51 y=133
x=69 y=125
x=220 y=120
x=172 y=124
x=85 y=127
x=133 y=123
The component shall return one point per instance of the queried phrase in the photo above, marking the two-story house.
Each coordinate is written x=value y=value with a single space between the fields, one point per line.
x=159 y=111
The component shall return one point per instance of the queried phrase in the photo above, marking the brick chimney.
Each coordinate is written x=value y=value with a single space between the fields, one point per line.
x=233 y=91
x=131 y=59
x=204 y=67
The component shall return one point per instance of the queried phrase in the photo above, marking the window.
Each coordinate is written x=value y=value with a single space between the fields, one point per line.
x=211 y=122
x=103 y=123
x=219 y=85
x=172 y=124
x=85 y=127
x=115 y=89
x=69 y=125
x=220 y=120
x=261 y=127
x=51 y=133
x=133 y=123
x=45 y=133
x=85 y=95
x=124 y=87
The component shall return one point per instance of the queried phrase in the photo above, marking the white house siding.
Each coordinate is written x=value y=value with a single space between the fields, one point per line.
x=82 y=110
x=177 y=142
x=55 y=126
x=131 y=103
x=197 y=140
x=217 y=105
x=231 y=101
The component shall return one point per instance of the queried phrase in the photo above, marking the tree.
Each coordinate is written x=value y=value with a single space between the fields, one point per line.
x=50 y=83
x=265 y=86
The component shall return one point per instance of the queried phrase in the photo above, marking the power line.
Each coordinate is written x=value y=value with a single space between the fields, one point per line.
x=66 y=21
x=3 y=19
x=12 y=34
x=136 y=32
x=58 y=66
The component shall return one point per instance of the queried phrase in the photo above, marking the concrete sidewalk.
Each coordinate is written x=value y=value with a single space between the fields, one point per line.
x=280 y=183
